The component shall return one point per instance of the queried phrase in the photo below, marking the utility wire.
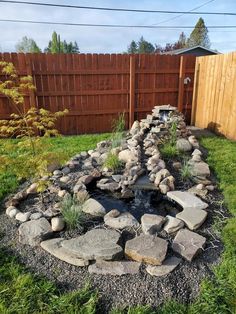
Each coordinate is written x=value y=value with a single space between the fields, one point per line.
x=114 y=9
x=112 y=25
x=177 y=16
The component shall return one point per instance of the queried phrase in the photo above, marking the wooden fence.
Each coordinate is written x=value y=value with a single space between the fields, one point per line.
x=95 y=88
x=214 y=104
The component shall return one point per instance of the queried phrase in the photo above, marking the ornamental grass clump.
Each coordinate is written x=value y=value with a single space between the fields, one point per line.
x=71 y=209
x=185 y=170
x=112 y=162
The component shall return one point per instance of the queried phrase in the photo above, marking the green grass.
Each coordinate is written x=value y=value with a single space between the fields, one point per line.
x=69 y=145
x=24 y=293
x=168 y=150
x=112 y=162
x=21 y=292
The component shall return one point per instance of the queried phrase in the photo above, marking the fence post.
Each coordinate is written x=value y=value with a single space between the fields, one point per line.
x=195 y=92
x=181 y=83
x=32 y=94
x=131 y=90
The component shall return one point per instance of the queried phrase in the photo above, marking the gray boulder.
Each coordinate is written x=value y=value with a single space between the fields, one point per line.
x=117 y=220
x=167 y=267
x=34 y=231
x=93 y=208
x=152 y=224
x=183 y=145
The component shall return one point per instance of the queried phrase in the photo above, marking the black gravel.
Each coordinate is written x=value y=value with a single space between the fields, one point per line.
x=182 y=284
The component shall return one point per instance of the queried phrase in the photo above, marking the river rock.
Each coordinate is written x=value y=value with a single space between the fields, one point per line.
x=65 y=179
x=146 y=248
x=32 y=189
x=13 y=212
x=167 y=267
x=65 y=170
x=108 y=185
x=187 y=200
x=55 y=248
x=117 y=220
x=86 y=179
x=193 y=218
x=127 y=156
x=93 y=208
x=35 y=216
x=57 y=223
x=152 y=224
x=183 y=145
x=34 y=231
x=135 y=128
x=115 y=268
x=23 y=217
x=173 y=224
x=96 y=244
x=199 y=169
x=188 y=244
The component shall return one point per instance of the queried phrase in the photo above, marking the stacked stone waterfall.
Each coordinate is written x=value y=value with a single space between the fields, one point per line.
x=100 y=248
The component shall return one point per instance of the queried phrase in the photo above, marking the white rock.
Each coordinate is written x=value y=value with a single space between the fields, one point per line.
x=12 y=213
x=23 y=216
x=36 y=216
x=61 y=193
x=57 y=223
x=32 y=189
x=127 y=156
x=9 y=208
x=65 y=179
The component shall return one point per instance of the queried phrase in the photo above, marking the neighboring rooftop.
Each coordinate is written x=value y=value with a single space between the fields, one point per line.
x=196 y=50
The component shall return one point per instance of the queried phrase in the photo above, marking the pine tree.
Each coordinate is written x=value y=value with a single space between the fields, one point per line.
x=199 y=36
x=133 y=47
x=55 y=45
x=145 y=46
x=27 y=45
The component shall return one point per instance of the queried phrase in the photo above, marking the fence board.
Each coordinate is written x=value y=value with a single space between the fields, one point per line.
x=95 y=88
x=215 y=94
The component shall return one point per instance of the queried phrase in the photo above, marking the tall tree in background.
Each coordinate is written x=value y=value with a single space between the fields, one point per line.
x=55 y=45
x=142 y=46
x=27 y=45
x=145 y=46
x=199 y=35
x=133 y=47
x=182 y=41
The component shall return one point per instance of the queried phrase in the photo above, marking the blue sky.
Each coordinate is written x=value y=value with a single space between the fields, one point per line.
x=101 y=40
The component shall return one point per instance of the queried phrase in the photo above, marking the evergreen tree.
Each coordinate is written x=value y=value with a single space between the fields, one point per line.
x=133 y=47
x=27 y=45
x=199 y=35
x=55 y=45
x=145 y=46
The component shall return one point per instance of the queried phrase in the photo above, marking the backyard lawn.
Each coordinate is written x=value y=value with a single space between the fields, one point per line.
x=22 y=292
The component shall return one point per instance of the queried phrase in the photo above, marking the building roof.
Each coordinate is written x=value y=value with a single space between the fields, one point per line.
x=182 y=50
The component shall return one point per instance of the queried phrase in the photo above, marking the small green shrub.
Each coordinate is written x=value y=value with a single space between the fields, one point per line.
x=173 y=133
x=169 y=150
x=112 y=162
x=185 y=170
x=71 y=209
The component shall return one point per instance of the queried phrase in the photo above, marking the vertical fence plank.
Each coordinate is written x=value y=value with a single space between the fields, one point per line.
x=181 y=83
x=132 y=90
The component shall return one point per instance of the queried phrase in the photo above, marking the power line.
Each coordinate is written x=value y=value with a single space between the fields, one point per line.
x=177 y=16
x=112 y=25
x=114 y=9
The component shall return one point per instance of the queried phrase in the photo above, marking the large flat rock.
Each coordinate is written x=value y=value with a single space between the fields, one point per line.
x=146 y=248
x=93 y=208
x=187 y=200
x=143 y=183
x=96 y=244
x=54 y=247
x=116 y=268
x=188 y=244
x=192 y=218
x=34 y=231
x=167 y=267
